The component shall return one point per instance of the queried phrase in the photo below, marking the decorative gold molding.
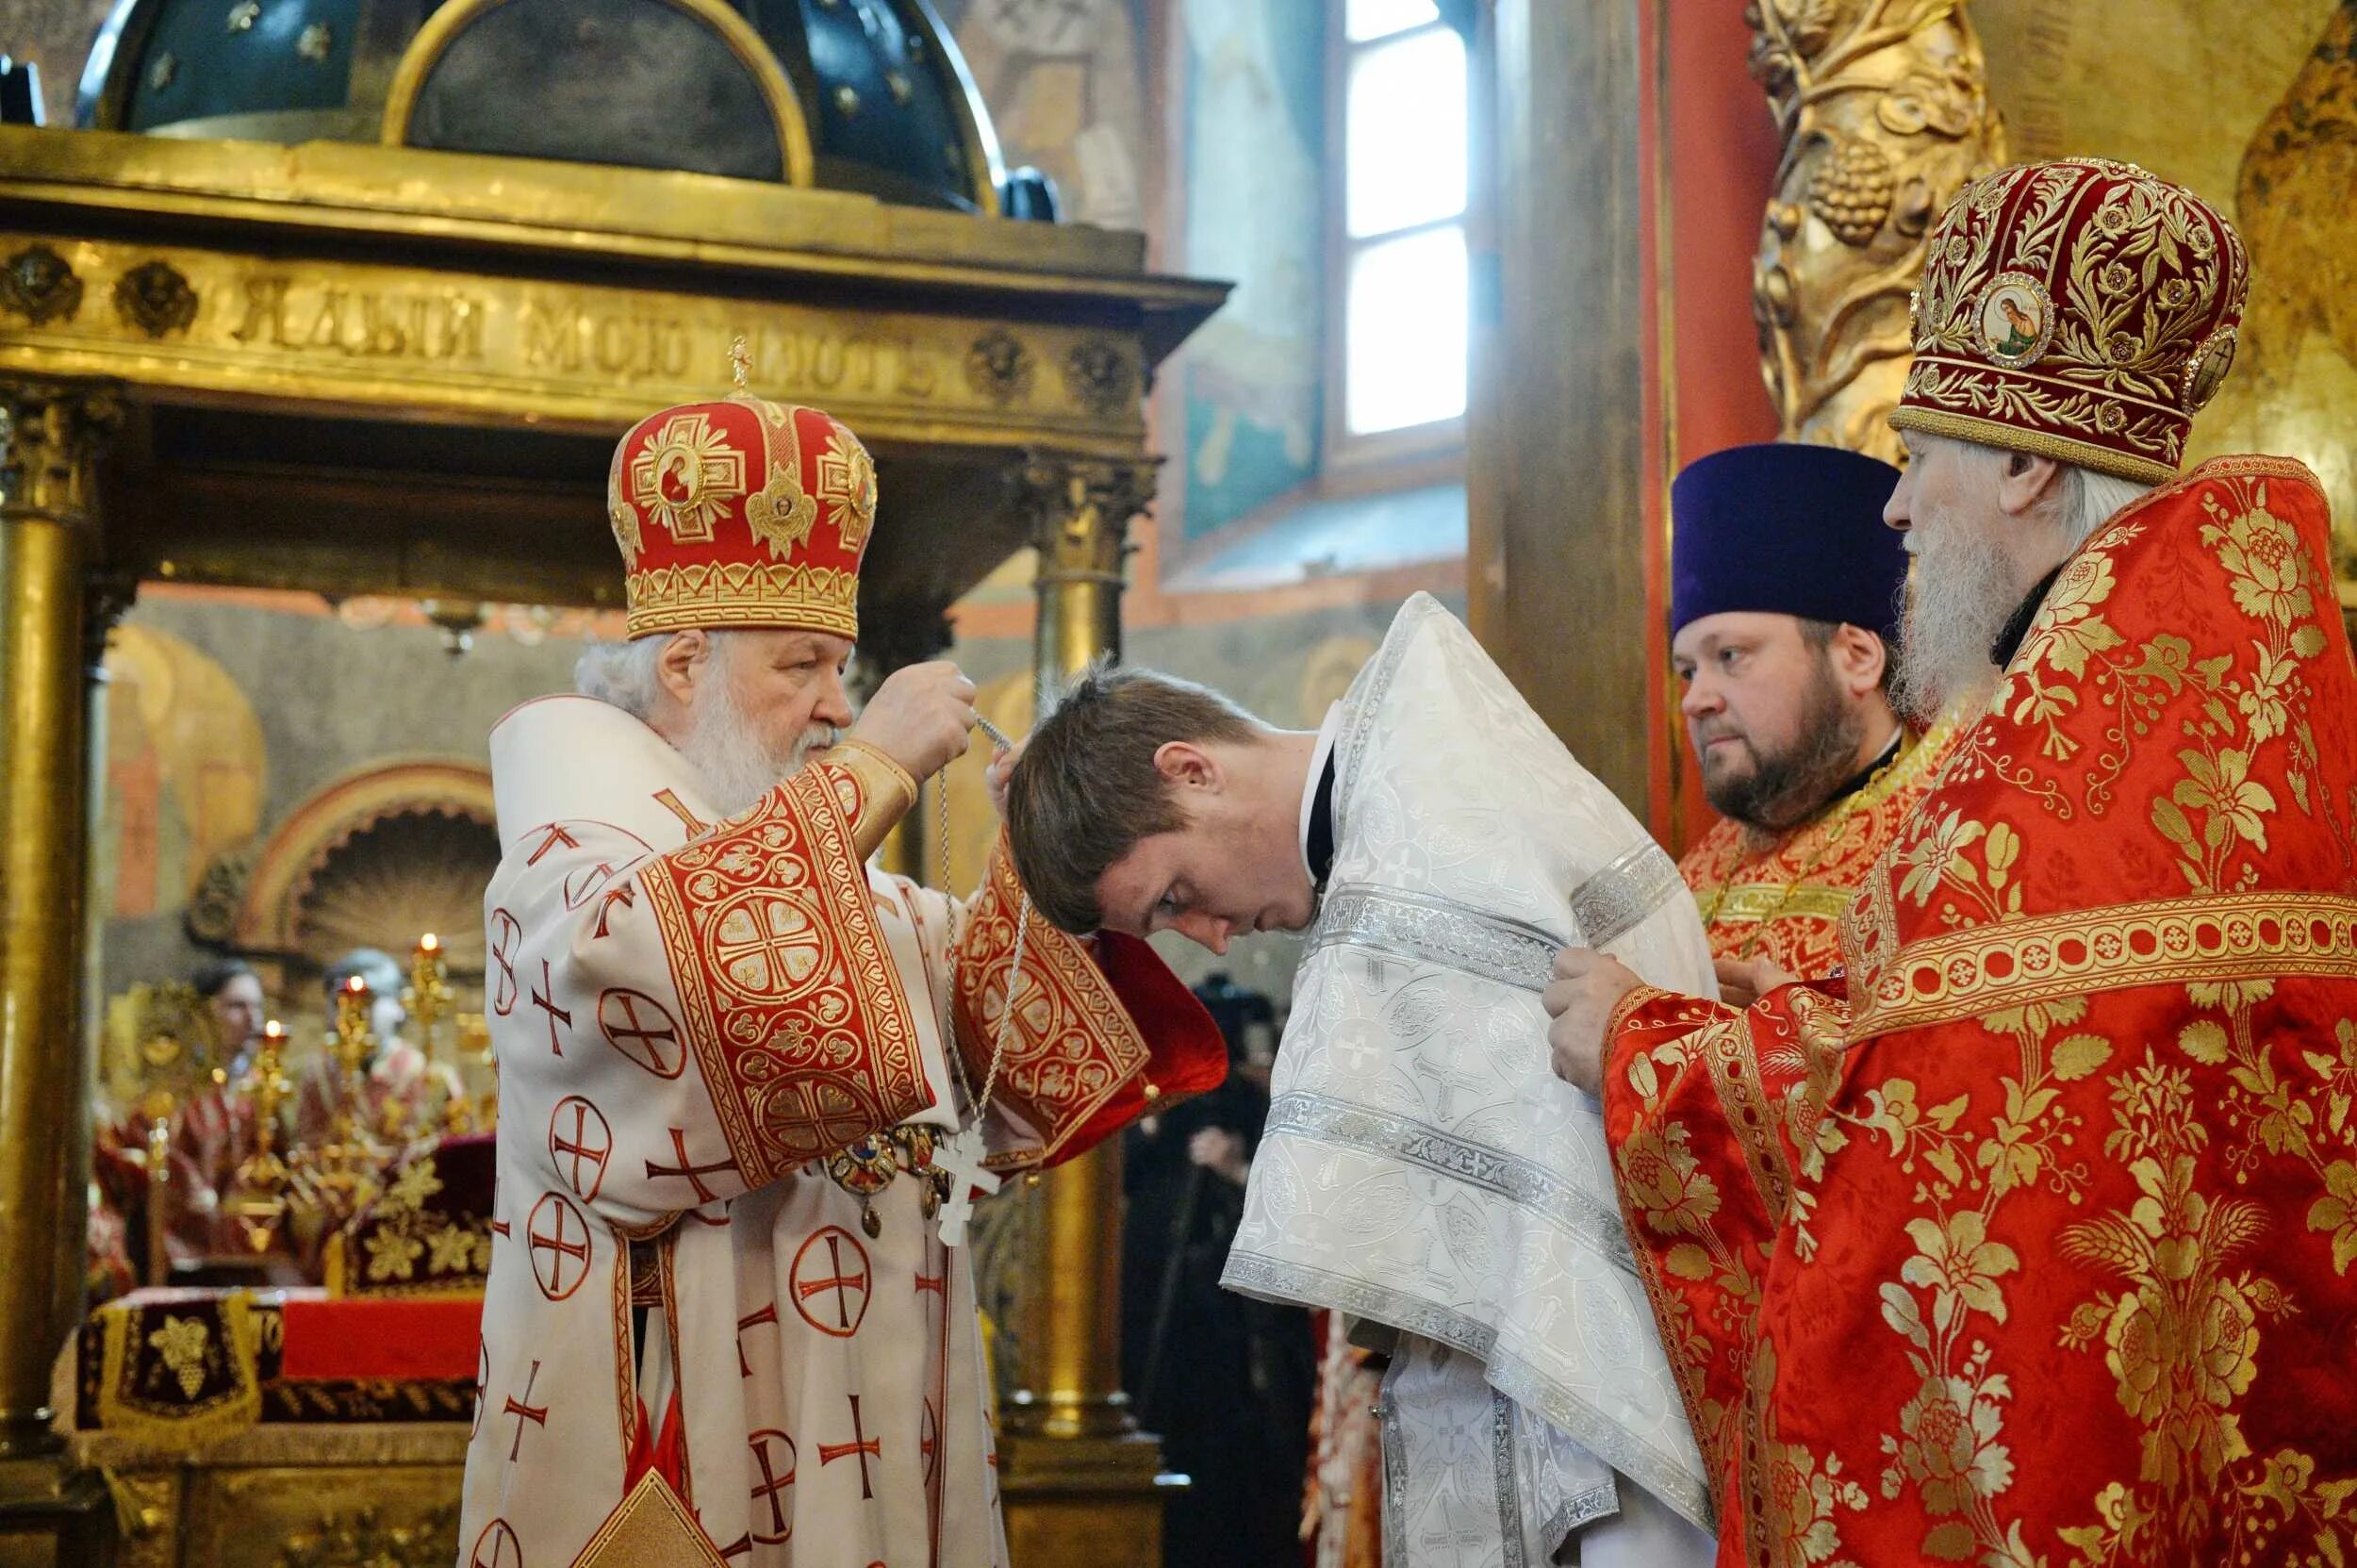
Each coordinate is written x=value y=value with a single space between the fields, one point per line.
x=53 y=431
x=1883 y=107
x=549 y=353
x=445 y=25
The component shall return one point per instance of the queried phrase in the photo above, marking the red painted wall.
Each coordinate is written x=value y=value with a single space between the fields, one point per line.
x=1710 y=137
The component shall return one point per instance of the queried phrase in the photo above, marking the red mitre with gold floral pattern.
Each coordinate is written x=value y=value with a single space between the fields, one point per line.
x=740 y=513
x=2080 y=309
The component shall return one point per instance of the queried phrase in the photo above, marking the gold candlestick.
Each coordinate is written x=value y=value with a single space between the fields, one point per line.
x=428 y=999
x=257 y=1193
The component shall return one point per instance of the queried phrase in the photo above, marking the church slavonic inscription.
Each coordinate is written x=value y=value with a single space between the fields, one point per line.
x=565 y=336
x=361 y=323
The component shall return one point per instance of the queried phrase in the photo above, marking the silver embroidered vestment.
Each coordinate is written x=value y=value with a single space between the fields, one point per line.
x=1423 y=1167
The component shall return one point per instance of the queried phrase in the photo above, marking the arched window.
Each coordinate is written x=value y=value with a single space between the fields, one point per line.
x=1397 y=211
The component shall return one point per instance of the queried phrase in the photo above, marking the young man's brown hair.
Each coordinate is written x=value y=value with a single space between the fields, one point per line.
x=1087 y=791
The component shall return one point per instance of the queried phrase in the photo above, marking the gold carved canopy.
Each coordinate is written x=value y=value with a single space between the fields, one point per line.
x=359 y=369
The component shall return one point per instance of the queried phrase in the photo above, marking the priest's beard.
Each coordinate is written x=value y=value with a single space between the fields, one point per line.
x=1786 y=788
x=1960 y=598
x=737 y=765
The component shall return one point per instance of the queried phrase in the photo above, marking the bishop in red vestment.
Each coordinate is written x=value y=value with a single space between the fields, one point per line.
x=2033 y=1241
x=1785 y=596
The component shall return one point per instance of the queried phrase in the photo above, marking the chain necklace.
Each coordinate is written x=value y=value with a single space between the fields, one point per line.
x=961 y=1156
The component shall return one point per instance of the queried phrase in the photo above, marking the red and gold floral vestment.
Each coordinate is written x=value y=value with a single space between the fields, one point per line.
x=1781 y=896
x=2035 y=1244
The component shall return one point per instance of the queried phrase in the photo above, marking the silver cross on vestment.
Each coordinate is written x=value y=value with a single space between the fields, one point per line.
x=961 y=1157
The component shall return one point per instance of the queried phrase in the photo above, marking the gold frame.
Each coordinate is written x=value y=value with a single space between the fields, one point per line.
x=442 y=28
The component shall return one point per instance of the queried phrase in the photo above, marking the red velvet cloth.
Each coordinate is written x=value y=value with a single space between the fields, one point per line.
x=397 y=1341
x=1187 y=1054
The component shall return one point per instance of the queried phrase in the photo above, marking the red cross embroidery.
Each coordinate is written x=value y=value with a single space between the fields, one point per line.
x=846 y=1283
x=590 y=1141
x=693 y=1174
x=547 y=1003
x=781 y=1514
x=496 y=1547
x=498 y=1228
x=523 y=1411
x=626 y=895
x=767 y=1314
x=507 y=933
x=643 y=1029
x=937 y=1283
x=554 y=834
x=559 y=1240
x=865 y=1447
x=929 y=1442
x=583 y=880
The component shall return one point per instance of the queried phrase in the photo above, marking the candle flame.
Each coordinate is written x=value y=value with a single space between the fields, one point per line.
x=357 y=985
x=429 y=943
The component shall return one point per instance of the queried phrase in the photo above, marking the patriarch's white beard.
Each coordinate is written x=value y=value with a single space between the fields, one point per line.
x=738 y=767
x=1960 y=598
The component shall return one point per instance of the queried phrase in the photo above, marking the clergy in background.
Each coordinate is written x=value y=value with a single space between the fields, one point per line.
x=742 y=1071
x=2032 y=1242
x=1421 y=1171
x=1786 y=590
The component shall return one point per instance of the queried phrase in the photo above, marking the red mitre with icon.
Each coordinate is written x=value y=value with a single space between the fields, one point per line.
x=741 y=513
x=2081 y=309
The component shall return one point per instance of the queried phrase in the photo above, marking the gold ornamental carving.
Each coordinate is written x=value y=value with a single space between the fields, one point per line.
x=154 y=297
x=1079 y=509
x=553 y=353
x=364 y=1538
x=1098 y=377
x=999 y=367
x=1883 y=110
x=40 y=285
x=54 y=431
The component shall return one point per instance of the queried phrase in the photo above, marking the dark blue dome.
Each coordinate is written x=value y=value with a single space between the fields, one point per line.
x=865 y=96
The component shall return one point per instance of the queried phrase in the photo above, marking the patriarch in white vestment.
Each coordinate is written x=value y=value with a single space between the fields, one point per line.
x=748 y=1082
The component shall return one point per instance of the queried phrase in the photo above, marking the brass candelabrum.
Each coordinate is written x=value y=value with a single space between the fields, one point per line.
x=429 y=1001
x=260 y=1190
x=337 y=1177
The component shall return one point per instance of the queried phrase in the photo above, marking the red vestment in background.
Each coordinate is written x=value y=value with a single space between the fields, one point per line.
x=2035 y=1246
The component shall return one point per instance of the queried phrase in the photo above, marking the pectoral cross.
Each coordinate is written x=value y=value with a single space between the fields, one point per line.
x=962 y=1157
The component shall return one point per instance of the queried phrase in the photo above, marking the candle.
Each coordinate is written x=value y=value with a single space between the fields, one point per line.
x=429 y=943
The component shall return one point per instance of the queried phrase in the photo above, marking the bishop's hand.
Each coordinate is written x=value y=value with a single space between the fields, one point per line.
x=919 y=717
x=1587 y=987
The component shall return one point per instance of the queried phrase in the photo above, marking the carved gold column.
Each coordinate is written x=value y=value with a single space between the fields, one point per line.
x=1077 y=1475
x=47 y=478
x=1884 y=109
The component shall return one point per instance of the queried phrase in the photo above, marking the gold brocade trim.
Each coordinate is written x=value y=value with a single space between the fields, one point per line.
x=194 y=1424
x=1074 y=1045
x=882 y=790
x=2218 y=938
x=1756 y=901
x=1691 y=1376
x=652 y=1528
x=787 y=994
x=1725 y=1048
x=674 y=598
x=2014 y=437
